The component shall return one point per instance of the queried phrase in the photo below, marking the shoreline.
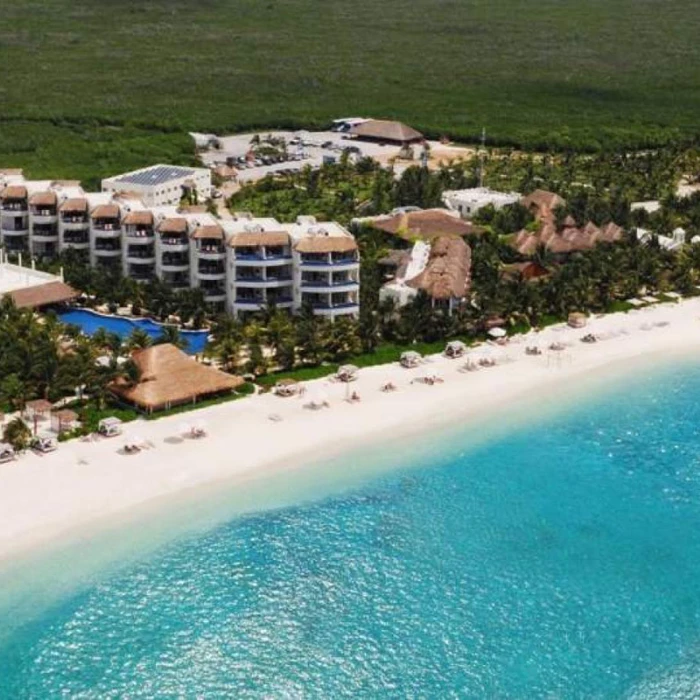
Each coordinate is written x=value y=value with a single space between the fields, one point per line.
x=88 y=486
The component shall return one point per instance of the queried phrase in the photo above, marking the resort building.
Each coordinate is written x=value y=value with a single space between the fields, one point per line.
x=243 y=264
x=469 y=202
x=560 y=240
x=30 y=288
x=385 y=131
x=412 y=224
x=162 y=184
x=291 y=266
x=441 y=269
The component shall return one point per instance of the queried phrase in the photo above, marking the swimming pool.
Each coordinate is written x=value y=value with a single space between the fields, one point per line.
x=90 y=321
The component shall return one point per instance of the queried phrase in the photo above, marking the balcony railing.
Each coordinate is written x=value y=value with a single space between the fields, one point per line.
x=74 y=219
x=242 y=279
x=327 y=260
x=211 y=270
x=175 y=260
x=14 y=206
x=44 y=212
x=100 y=225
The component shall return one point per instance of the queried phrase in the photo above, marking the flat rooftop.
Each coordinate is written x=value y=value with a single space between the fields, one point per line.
x=14 y=277
x=155 y=175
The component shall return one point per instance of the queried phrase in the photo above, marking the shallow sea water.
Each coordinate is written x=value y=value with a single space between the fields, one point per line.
x=560 y=560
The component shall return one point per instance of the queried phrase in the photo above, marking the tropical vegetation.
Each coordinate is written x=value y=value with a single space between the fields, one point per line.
x=556 y=74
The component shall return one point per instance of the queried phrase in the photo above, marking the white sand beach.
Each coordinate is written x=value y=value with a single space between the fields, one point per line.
x=85 y=483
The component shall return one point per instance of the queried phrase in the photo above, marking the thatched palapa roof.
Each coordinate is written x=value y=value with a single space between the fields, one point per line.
x=173 y=225
x=213 y=231
x=142 y=218
x=326 y=244
x=425 y=225
x=74 y=204
x=257 y=238
x=542 y=202
x=44 y=199
x=43 y=295
x=448 y=272
x=169 y=376
x=106 y=211
x=386 y=131
x=14 y=192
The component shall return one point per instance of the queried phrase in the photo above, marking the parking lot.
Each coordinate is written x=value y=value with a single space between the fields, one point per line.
x=302 y=147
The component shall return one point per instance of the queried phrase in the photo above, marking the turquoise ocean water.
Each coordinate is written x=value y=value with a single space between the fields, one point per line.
x=560 y=559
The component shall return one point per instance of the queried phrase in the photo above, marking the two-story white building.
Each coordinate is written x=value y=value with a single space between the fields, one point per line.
x=160 y=185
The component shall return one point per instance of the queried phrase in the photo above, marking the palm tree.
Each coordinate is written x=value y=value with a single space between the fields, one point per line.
x=171 y=334
x=137 y=340
x=17 y=434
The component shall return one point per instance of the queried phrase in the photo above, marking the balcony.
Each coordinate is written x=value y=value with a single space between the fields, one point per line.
x=48 y=234
x=175 y=245
x=351 y=308
x=106 y=230
x=77 y=219
x=328 y=262
x=175 y=263
x=265 y=255
x=141 y=275
x=176 y=280
x=331 y=282
x=140 y=257
x=46 y=215
x=141 y=236
x=75 y=242
x=15 y=207
x=213 y=251
x=15 y=245
x=108 y=251
x=45 y=250
x=211 y=271
x=214 y=293
x=15 y=232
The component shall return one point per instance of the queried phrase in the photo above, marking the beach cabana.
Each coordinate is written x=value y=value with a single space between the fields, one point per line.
x=410 y=359
x=286 y=387
x=347 y=373
x=37 y=409
x=169 y=377
x=7 y=453
x=455 y=349
x=110 y=427
x=64 y=420
x=577 y=320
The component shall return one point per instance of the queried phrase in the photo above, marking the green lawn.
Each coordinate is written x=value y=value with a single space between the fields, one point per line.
x=90 y=88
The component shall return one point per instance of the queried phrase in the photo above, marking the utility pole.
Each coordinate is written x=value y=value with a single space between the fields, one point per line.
x=481 y=157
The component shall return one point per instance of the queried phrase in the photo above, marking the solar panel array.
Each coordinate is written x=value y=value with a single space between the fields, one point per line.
x=157 y=175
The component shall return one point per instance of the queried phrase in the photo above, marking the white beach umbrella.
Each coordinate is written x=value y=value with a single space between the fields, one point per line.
x=497 y=332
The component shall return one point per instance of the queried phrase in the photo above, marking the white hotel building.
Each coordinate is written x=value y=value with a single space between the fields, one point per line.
x=242 y=264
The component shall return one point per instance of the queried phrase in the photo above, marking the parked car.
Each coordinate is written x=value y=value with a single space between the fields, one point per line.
x=217 y=194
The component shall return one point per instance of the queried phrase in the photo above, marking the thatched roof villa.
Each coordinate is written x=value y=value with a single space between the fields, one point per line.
x=446 y=277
